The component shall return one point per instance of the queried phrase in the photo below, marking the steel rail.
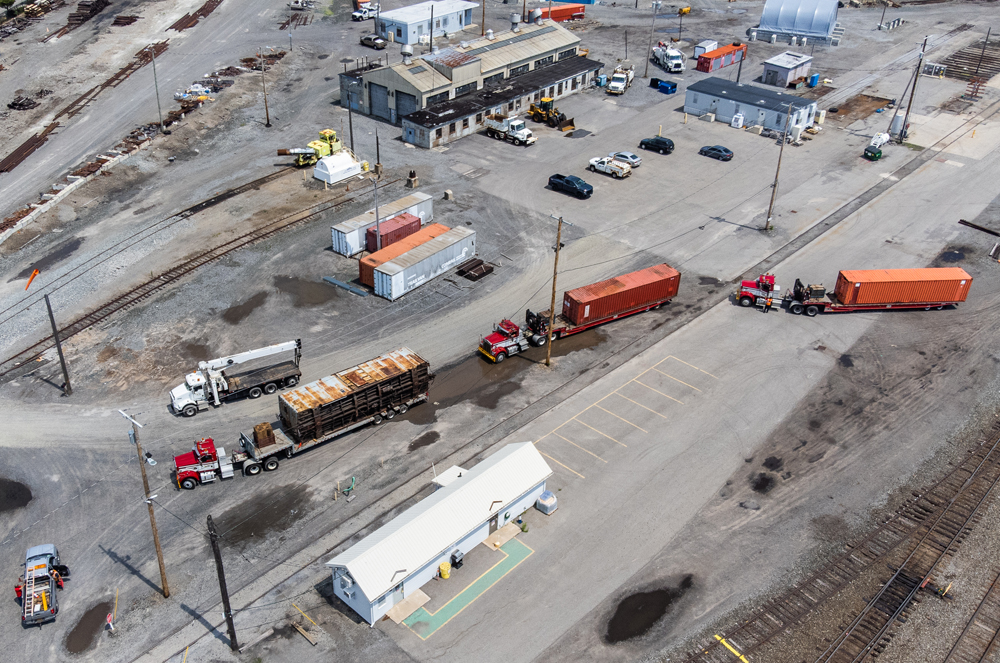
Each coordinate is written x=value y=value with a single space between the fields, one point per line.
x=966 y=649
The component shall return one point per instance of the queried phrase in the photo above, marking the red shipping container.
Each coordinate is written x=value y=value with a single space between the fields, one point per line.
x=721 y=57
x=367 y=265
x=393 y=230
x=932 y=285
x=621 y=294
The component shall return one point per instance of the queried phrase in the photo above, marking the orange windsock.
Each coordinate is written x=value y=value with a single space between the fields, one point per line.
x=31 y=278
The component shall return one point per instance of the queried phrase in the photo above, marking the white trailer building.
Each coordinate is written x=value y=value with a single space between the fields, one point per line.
x=397 y=559
x=758 y=105
x=408 y=24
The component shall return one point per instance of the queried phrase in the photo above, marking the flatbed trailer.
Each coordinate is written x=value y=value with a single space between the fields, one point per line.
x=800 y=301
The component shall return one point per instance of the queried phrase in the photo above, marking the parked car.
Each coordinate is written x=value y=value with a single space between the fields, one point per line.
x=657 y=144
x=631 y=159
x=571 y=184
x=374 y=41
x=716 y=152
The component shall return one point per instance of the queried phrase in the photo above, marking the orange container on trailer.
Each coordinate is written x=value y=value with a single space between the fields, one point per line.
x=620 y=294
x=565 y=12
x=932 y=285
x=367 y=265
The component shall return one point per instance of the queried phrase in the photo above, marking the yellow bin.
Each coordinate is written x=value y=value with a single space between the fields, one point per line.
x=445 y=570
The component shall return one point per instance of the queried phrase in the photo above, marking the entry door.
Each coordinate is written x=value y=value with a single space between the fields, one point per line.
x=772 y=77
x=378 y=98
x=397 y=594
x=493 y=523
x=761 y=117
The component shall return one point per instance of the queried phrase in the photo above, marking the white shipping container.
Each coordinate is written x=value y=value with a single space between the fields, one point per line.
x=349 y=236
x=421 y=264
x=705 y=47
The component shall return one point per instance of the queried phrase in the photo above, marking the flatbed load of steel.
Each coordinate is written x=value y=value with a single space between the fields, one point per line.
x=277 y=373
x=361 y=393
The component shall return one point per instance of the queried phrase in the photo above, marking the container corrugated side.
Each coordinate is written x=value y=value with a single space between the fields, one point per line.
x=620 y=294
x=392 y=231
x=367 y=265
x=348 y=237
x=932 y=285
x=412 y=269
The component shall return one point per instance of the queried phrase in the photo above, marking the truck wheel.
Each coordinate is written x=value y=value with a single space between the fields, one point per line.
x=270 y=388
x=538 y=340
x=189 y=484
x=796 y=309
x=291 y=382
x=811 y=310
x=255 y=393
x=390 y=413
x=746 y=301
x=189 y=410
x=617 y=175
x=403 y=408
x=592 y=168
x=271 y=464
x=517 y=141
x=251 y=469
x=377 y=419
x=500 y=357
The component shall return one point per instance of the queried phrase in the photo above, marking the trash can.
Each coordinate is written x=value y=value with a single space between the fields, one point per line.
x=668 y=87
x=814 y=80
x=654 y=82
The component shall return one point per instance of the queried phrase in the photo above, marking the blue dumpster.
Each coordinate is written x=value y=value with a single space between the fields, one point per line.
x=668 y=87
x=654 y=82
x=814 y=80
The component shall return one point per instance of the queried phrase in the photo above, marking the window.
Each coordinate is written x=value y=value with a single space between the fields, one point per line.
x=465 y=123
x=552 y=91
x=543 y=62
x=567 y=53
x=495 y=78
x=423 y=134
x=399 y=33
x=451 y=128
x=559 y=90
x=518 y=71
x=479 y=118
x=437 y=132
x=437 y=24
x=465 y=89
x=576 y=83
x=538 y=96
x=437 y=98
x=510 y=107
x=445 y=21
x=694 y=98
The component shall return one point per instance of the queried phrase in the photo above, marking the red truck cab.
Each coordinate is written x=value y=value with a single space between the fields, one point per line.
x=203 y=464
x=505 y=340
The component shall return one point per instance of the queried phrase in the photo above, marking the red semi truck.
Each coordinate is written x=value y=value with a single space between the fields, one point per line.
x=585 y=308
x=863 y=290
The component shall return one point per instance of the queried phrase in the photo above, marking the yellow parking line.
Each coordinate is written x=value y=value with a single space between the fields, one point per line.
x=692 y=366
x=639 y=404
x=581 y=448
x=598 y=432
x=561 y=465
x=657 y=391
x=617 y=417
x=676 y=380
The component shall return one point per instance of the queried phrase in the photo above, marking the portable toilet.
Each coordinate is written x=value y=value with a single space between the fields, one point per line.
x=737 y=121
x=602 y=80
x=814 y=80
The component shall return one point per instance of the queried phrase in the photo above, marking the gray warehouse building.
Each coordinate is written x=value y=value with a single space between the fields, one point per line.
x=397 y=559
x=412 y=25
x=759 y=106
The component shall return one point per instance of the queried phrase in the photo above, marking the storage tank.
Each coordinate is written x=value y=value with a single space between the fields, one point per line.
x=412 y=269
x=896 y=125
x=367 y=265
x=620 y=294
x=932 y=285
x=392 y=230
x=349 y=236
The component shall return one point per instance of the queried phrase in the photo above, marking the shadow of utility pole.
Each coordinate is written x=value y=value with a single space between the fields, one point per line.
x=207 y=624
x=124 y=561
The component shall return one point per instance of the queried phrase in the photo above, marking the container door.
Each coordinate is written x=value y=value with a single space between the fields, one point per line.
x=493 y=523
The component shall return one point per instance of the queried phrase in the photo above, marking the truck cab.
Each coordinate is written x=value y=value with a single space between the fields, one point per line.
x=188 y=397
x=669 y=58
x=203 y=464
x=39 y=603
x=761 y=292
x=621 y=79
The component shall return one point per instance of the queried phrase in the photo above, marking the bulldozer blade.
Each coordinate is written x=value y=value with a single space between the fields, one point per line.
x=567 y=125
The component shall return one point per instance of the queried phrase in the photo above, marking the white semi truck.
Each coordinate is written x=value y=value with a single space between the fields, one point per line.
x=512 y=129
x=211 y=385
x=669 y=58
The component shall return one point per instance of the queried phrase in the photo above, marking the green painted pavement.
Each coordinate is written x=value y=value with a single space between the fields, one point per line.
x=424 y=624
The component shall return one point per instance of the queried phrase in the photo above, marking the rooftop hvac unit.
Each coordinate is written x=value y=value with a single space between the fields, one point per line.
x=489 y=35
x=464 y=44
x=535 y=15
x=346 y=582
x=406 y=50
x=515 y=21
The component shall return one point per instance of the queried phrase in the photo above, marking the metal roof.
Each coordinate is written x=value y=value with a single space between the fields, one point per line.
x=385 y=210
x=422 y=11
x=807 y=18
x=420 y=253
x=789 y=60
x=749 y=94
x=429 y=529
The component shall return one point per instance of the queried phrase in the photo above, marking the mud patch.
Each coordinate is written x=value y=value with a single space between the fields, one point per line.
x=774 y=463
x=830 y=528
x=107 y=353
x=490 y=398
x=708 y=280
x=637 y=613
x=425 y=440
x=13 y=495
x=951 y=256
x=762 y=483
x=61 y=252
x=470 y=380
x=846 y=361
x=272 y=510
x=196 y=351
x=236 y=314
x=305 y=294
x=954 y=254
x=84 y=634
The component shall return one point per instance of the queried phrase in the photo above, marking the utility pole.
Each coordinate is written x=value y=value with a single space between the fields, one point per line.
x=739 y=69
x=482 y=32
x=552 y=307
x=983 y=52
x=649 y=51
x=156 y=87
x=350 y=116
x=263 y=84
x=134 y=436
x=774 y=187
x=226 y=609
x=626 y=43
x=67 y=388
x=430 y=44
x=913 y=91
x=524 y=12
x=290 y=18
x=378 y=227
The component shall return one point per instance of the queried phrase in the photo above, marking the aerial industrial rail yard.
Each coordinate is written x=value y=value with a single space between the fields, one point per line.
x=471 y=331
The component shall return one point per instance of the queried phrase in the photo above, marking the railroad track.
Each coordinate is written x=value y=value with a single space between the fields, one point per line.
x=145 y=290
x=913 y=519
x=979 y=639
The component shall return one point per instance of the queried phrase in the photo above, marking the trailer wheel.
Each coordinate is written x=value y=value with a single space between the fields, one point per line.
x=746 y=301
x=288 y=452
x=377 y=419
x=270 y=388
x=940 y=307
x=291 y=382
x=189 y=410
x=255 y=393
x=251 y=469
x=270 y=464
x=189 y=484
x=390 y=413
x=796 y=309
x=538 y=340
x=500 y=357
x=812 y=310
x=403 y=408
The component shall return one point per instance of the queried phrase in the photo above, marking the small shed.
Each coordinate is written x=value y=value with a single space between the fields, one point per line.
x=412 y=25
x=784 y=69
x=721 y=57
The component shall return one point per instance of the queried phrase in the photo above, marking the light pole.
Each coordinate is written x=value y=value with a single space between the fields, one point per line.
x=913 y=91
x=156 y=87
x=378 y=227
x=774 y=187
x=649 y=51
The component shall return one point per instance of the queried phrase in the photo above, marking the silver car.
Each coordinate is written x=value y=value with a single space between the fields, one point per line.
x=631 y=159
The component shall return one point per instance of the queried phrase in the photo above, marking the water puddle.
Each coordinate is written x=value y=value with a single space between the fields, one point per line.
x=84 y=634
x=61 y=252
x=846 y=361
x=425 y=440
x=774 y=463
x=637 y=613
x=762 y=483
x=306 y=294
x=13 y=495
x=236 y=314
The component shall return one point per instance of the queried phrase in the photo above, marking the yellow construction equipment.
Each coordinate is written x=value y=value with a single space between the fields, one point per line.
x=327 y=145
x=545 y=111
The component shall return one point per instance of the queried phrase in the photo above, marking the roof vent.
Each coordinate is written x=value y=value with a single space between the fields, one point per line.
x=535 y=16
x=515 y=20
x=464 y=44
x=406 y=50
x=489 y=35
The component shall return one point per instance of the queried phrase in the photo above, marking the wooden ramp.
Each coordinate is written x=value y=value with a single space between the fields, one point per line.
x=407 y=606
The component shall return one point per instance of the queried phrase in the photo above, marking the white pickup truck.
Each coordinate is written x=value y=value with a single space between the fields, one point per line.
x=365 y=12
x=512 y=129
x=621 y=79
x=613 y=167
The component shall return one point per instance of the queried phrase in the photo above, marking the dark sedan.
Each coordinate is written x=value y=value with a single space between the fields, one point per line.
x=716 y=152
x=571 y=184
x=657 y=144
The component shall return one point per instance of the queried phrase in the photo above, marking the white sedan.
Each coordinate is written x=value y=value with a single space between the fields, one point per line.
x=633 y=160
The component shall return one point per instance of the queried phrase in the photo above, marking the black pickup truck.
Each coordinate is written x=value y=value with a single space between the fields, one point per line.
x=571 y=184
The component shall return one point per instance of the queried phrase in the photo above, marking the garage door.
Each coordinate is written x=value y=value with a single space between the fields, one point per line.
x=405 y=104
x=378 y=100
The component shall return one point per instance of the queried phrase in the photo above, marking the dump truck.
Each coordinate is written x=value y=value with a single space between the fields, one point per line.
x=863 y=290
x=42 y=572
x=507 y=128
x=621 y=79
x=545 y=111
x=585 y=308
x=313 y=414
x=327 y=145
x=611 y=166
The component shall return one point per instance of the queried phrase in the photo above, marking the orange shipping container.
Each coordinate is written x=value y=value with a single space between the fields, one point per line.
x=932 y=285
x=367 y=265
x=565 y=12
x=621 y=294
